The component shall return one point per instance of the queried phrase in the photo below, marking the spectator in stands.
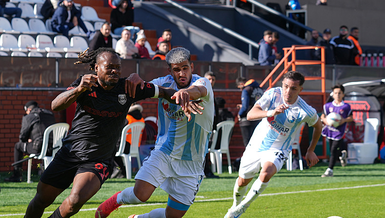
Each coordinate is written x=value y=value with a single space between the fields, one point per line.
x=166 y=36
x=33 y=124
x=102 y=38
x=126 y=47
x=251 y=92
x=9 y=11
x=122 y=17
x=354 y=32
x=160 y=54
x=343 y=47
x=140 y=44
x=66 y=17
x=322 y=2
x=275 y=36
x=48 y=8
x=311 y=53
x=265 y=54
x=329 y=51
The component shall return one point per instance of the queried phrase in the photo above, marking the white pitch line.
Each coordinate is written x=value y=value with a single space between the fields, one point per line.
x=224 y=199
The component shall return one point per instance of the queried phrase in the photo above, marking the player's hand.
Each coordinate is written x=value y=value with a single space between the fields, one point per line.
x=87 y=82
x=181 y=97
x=280 y=109
x=193 y=107
x=311 y=158
x=131 y=83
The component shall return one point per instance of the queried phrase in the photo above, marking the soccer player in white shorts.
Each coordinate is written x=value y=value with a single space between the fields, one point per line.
x=282 y=112
x=176 y=164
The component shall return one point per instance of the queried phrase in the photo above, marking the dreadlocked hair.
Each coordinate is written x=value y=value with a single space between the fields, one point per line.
x=91 y=56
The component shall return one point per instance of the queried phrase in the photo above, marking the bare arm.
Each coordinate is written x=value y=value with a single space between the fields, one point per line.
x=183 y=96
x=65 y=99
x=257 y=113
x=311 y=157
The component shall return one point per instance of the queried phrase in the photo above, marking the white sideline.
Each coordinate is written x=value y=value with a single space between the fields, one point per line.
x=224 y=199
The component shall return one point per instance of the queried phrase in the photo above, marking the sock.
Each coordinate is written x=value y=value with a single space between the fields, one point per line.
x=56 y=214
x=157 y=213
x=127 y=196
x=238 y=193
x=255 y=190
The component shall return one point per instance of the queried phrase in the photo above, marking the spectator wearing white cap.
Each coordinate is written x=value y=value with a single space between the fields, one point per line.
x=140 y=44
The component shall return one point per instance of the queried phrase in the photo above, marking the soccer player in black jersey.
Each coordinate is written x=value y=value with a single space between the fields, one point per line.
x=86 y=157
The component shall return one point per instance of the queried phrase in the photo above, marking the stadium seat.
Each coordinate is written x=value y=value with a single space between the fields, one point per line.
x=6 y=27
x=78 y=42
x=76 y=31
x=98 y=25
x=89 y=26
x=48 y=25
x=114 y=41
x=36 y=1
x=59 y=131
x=89 y=13
x=3 y=53
x=9 y=42
x=37 y=8
x=54 y=55
x=71 y=55
x=26 y=41
x=10 y=5
x=136 y=130
x=18 y=54
x=21 y=25
x=216 y=154
x=366 y=152
x=44 y=42
x=62 y=42
x=35 y=54
x=37 y=25
x=27 y=11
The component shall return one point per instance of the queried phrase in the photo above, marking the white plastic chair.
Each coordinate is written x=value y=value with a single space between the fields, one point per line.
x=62 y=42
x=37 y=9
x=366 y=152
x=21 y=25
x=9 y=42
x=114 y=41
x=35 y=54
x=77 y=31
x=6 y=27
x=10 y=5
x=26 y=42
x=78 y=42
x=216 y=154
x=18 y=54
x=71 y=55
x=37 y=25
x=89 y=13
x=27 y=11
x=136 y=130
x=54 y=55
x=98 y=25
x=59 y=131
x=44 y=43
x=89 y=26
x=2 y=53
x=296 y=145
x=151 y=118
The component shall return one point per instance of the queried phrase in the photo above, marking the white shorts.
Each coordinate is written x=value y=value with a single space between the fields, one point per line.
x=162 y=170
x=252 y=162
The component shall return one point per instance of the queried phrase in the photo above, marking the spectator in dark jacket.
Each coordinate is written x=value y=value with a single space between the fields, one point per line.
x=329 y=50
x=266 y=56
x=33 y=124
x=343 y=47
x=311 y=53
x=102 y=38
x=9 y=11
x=47 y=10
x=66 y=17
x=122 y=16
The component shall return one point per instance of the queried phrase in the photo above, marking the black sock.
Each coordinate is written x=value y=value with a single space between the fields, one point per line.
x=56 y=214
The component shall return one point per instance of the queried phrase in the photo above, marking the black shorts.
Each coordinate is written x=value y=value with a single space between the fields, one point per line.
x=61 y=173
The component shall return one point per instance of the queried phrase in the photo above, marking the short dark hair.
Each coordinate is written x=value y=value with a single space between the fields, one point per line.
x=240 y=80
x=295 y=76
x=30 y=105
x=121 y=3
x=209 y=73
x=275 y=35
x=343 y=26
x=166 y=30
x=220 y=102
x=353 y=28
x=267 y=32
x=339 y=86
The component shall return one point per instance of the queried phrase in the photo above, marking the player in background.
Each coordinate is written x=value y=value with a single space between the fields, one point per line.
x=335 y=134
x=176 y=164
x=282 y=111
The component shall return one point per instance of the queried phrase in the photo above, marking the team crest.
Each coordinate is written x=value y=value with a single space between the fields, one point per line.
x=330 y=109
x=122 y=99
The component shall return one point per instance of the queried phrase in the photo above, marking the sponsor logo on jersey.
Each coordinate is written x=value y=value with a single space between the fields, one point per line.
x=93 y=94
x=122 y=99
x=172 y=111
x=277 y=127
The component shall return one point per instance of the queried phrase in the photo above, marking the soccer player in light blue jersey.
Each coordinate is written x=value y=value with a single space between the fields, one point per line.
x=282 y=111
x=176 y=164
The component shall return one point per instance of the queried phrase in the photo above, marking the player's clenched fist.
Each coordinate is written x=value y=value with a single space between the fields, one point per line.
x=88 y=81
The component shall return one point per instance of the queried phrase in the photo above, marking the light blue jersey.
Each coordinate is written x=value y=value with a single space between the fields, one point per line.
x=278 y=132
x=177 y=137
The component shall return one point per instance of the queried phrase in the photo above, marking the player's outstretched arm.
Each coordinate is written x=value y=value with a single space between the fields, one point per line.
x=65 y=99
x=131 y=83
x=183 y=96
x=311 y=157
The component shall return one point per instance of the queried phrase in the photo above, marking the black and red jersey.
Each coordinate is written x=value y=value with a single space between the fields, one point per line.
x=99 y=119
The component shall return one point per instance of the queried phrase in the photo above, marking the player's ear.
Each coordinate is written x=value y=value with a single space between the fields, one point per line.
x=96 y=67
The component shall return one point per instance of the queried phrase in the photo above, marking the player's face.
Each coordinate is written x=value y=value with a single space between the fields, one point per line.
x=182 y=73
x=167 y=36
x=338 y=95
x=107 y=68
x=291 y=90
x=211 y=79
